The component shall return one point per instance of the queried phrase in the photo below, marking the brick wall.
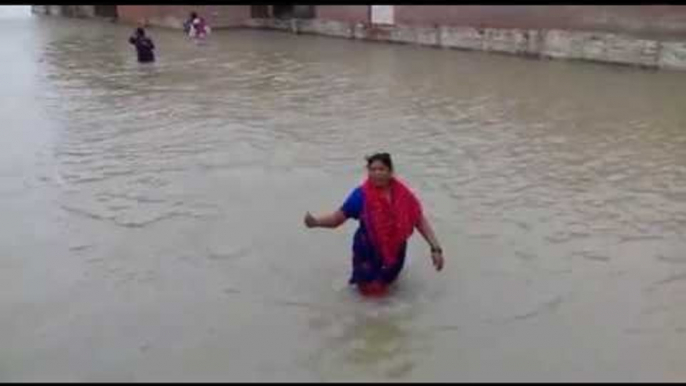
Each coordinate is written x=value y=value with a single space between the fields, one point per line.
x=344 y=13
x=637 y=19
x=173 y=16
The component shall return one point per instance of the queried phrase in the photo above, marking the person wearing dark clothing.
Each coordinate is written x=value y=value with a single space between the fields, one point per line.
x=144 y=46
x=189 y=22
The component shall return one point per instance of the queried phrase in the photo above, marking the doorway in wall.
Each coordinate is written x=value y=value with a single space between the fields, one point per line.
x=259 y=11
x=106 y=11
x=294 y=11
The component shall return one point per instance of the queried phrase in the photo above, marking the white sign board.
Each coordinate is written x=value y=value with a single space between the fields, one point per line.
x=382 y=14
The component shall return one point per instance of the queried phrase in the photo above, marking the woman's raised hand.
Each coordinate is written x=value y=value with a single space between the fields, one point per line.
x=437 y=258
x=310 y=221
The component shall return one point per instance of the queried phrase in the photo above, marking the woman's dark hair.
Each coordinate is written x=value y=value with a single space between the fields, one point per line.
x=140 y=31
x=384 y=158
x=194 y=15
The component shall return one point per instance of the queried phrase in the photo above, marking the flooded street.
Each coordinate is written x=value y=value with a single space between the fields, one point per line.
x=152 y=214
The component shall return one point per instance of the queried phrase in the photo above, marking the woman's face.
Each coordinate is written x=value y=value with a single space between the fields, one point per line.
x=379 y=173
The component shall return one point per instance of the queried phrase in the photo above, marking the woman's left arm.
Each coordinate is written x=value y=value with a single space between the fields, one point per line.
x=425 y=229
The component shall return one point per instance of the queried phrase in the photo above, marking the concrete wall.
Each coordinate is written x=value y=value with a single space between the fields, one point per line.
x=173 y=16
x=646 y=20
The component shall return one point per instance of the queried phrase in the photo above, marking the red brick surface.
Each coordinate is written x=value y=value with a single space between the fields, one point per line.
x=642 y=19
x=344 y=13
x=216 y=15
x=625 y=18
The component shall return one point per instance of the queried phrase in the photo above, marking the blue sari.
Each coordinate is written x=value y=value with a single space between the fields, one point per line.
x=367 y=263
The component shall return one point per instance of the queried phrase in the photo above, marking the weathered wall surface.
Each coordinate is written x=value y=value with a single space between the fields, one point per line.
x=343 y=13
x=648 y=36
x=65 y=10
x=219 y=16
x=539 y=43
x=634 y=19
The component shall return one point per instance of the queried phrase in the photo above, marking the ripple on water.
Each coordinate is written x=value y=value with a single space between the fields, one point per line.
x=542 y=180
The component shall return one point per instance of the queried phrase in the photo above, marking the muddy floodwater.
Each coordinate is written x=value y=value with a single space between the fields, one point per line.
x=151 y=215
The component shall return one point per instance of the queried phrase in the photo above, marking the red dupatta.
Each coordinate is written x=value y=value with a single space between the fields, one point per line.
x=390 y=223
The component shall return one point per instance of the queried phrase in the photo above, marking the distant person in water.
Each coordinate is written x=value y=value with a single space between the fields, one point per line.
x=144 y=46
x=189 y=22
x=198 y=28
x=388 y=213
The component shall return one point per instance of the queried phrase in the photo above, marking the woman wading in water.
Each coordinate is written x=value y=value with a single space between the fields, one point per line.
x=388 y=213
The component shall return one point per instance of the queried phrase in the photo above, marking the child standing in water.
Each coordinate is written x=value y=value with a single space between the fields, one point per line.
x=144 y=46
x=197 y=28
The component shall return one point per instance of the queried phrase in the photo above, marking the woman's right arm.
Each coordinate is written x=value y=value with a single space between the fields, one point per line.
x=332 y=220
x=350 y=209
